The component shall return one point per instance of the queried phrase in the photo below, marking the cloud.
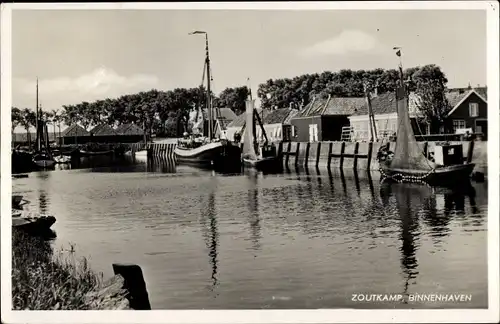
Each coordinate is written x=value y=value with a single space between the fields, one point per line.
x=98 y=84
x=348 y=41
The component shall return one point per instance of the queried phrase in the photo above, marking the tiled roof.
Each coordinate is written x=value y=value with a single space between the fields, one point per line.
x=226 y=113
x=313 y=108
x=103 y=130
x=343 y=106
x=279 y=116
x=454 y=97
x=382 y=104
x=129 y=129
x=74 y=130
x=239 y=121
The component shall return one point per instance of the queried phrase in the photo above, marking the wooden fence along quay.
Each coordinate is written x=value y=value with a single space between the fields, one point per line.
x=343 y=155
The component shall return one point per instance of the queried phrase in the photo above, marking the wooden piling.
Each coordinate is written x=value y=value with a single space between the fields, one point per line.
x=318 y=152
x=287 y=153
x=134 y=284
x=370 y=152
x=342 y=152
x=297 y=155
x=355 y=162
x=329 y=154
x=308 y=147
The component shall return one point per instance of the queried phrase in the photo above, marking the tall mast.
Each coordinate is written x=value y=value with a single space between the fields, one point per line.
x=209 y=96
x=37 y=144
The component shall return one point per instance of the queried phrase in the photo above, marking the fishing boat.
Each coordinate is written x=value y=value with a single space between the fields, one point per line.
x=261 y=157
x=87 y=153
x=42 y=156
x=408 y=163
x=32 y=224
x=207 y=151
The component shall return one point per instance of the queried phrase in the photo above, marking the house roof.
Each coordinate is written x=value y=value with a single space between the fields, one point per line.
x=384 y=103
x=103 y=130
x=455 y=98
x=226 y=113
x=333 y=106
x=129 y=129
x=239 y=121
x=74 y=130
x=279 y=116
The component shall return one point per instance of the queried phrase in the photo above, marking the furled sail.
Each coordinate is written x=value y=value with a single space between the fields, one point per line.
x=408 y=154
x=248 y=138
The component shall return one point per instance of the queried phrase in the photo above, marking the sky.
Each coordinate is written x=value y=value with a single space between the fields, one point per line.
x=85 y=55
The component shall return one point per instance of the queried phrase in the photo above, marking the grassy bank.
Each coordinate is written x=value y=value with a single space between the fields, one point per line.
x=42 y=280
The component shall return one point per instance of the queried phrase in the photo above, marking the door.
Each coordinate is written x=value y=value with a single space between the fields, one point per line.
x=313 y=133
x=482 y=127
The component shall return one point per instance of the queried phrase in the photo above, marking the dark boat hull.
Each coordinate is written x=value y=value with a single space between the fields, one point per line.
x=95 y=153
x=213 y=155
x=441 y=176
x=263 y=164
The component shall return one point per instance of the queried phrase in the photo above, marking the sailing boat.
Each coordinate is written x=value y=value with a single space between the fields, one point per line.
x=209 y=151
x=255 y=156
x=409 y=163
x=42 y=158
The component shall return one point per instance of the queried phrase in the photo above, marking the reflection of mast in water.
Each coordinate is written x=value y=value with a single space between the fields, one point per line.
x=43 y=201
x=253 y=206
x=408 y=213
x=214 y=236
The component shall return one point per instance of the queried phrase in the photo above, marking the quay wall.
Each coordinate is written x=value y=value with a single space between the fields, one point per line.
x=343 y=155
x=363 y=155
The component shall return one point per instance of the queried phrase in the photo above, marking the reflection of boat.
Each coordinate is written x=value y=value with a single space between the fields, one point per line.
x=19 y=176
x=409 y=164
x=207 y=151
x=61 y=159
x=143 y=154
x=266 y=158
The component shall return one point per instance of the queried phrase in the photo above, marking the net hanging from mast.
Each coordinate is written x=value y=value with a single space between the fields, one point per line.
x=408 y=153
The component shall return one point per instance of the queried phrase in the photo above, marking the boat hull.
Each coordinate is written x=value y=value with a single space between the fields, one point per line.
x=263 y=164
x=44 y=163
x=96 y=153
x=214 y=155
x=441 y=176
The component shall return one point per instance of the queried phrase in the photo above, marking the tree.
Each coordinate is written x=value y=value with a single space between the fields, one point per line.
x=28 y=120
x=432 y=103
x=17 y=119
x=233 y=98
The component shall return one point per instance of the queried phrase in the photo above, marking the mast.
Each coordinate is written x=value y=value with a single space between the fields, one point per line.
x=37 y=143
x=209 y=96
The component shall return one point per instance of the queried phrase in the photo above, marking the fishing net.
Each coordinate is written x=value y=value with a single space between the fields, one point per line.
x=408 y=154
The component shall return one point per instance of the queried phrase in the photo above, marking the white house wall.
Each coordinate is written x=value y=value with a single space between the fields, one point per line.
x=385 y=123
x=274 y=132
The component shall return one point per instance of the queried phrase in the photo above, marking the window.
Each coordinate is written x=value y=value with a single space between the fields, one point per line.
x=458 y=124
x=473 y=109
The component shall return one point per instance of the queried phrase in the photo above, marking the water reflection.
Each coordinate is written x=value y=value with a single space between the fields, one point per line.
x=253 y=207
x=210 y=230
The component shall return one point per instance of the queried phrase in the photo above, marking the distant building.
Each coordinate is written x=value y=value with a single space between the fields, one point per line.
x=221 y=117
x=276 y=124
x=104 y=133
x=75 y=134
x=386 y=117
x=129 y=133
x=323 y=119
x=469 y=110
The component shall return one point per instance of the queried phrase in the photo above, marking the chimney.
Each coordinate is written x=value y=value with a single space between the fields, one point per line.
x=469 y=87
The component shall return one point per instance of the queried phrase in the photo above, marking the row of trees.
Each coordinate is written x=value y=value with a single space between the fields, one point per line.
x=165 y=112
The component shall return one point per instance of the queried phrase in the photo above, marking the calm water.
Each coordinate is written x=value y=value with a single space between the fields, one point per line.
x=249 y=241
